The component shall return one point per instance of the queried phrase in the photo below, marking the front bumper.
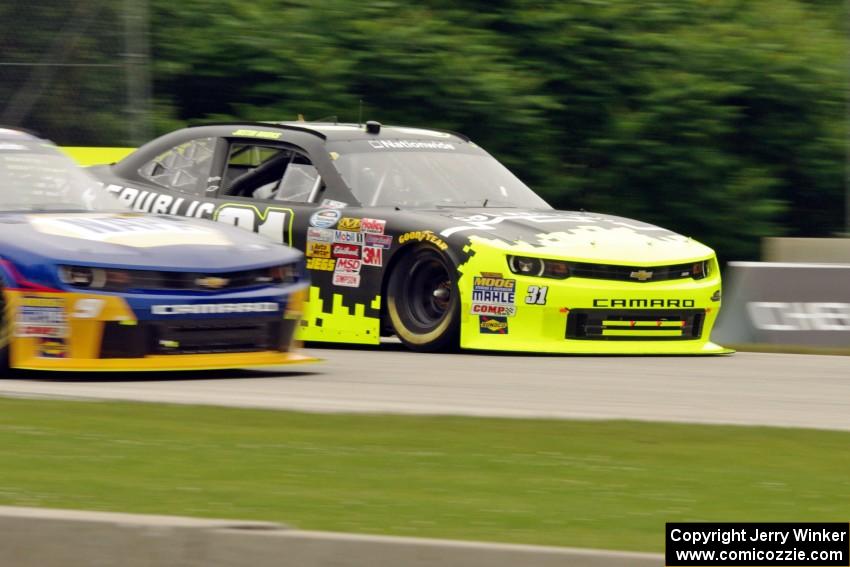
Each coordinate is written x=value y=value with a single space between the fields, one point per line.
x=102 y=332
x=593 y=316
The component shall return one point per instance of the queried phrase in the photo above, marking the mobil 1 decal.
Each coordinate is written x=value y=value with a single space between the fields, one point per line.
x=494 y=296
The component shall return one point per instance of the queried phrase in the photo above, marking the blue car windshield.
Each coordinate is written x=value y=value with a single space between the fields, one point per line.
x=425 y=178
x=35 y=176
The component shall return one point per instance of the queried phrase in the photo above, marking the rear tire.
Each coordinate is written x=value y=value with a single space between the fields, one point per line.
x=423 y=302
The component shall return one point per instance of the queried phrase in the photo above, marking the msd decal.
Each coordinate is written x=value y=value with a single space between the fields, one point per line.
x=348 y=265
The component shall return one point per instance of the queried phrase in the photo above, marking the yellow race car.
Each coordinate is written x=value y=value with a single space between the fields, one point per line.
x=423 y=234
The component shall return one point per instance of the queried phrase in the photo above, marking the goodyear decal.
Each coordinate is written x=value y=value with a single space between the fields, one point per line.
x=423 y=236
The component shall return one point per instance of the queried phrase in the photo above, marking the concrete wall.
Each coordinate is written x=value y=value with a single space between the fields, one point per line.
x=806 y=250
x=34 y=537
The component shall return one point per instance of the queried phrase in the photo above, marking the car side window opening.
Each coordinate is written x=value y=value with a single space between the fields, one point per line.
x=185 y=168
x=270 y=173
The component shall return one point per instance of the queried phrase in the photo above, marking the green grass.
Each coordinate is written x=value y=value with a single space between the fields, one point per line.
x=574 y=483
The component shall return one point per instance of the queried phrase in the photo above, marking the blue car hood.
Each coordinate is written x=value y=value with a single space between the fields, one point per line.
x=137 y=241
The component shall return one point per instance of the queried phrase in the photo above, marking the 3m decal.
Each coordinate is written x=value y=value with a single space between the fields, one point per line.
x=348 y=223
x=348 y=237
x=373 y=226
x=346 y=279
x=378 y=240
x=423 y=236
x=536 y=295
x=320 y=234
x=274 y=222
x=341 y=250
x=492 y=325
x=497 y=310
x=321 y=264
x=324 y=218
x=318 y=249
x=348 y=265
x=373 y=256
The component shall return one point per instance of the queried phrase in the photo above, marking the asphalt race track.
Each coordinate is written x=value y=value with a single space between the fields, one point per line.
x=745 y=388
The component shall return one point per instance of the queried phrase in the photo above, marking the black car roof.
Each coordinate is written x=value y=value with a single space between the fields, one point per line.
x=338 y=131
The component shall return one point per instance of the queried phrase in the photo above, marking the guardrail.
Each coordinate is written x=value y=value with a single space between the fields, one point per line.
x=36 y=537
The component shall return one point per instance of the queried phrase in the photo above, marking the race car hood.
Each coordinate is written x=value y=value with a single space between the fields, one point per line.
x=137 y=241
x=570 y=235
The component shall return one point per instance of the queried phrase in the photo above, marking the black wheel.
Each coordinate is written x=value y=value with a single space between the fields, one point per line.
x=422 y=300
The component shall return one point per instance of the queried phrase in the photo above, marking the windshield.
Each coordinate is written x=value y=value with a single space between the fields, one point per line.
x=34 y=176
x=433 y=179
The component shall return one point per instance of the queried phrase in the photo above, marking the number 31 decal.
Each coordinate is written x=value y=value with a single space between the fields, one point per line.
x=536 y=295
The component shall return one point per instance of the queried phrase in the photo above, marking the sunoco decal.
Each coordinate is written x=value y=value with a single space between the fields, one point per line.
x=492 y=325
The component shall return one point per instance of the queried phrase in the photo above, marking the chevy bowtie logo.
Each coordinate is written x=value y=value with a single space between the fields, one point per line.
x=641 y=275
x=212 y=282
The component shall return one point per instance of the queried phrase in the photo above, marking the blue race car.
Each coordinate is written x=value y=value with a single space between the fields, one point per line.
x=88 y=285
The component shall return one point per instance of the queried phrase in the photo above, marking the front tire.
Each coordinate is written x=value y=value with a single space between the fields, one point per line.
x=423 y=302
